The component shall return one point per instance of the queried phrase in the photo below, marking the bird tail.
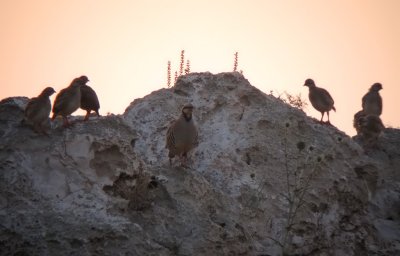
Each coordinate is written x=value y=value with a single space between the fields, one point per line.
x=334 y=109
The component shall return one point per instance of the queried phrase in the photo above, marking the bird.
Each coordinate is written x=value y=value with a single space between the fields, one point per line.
x=89 y=101
x=68 y=100
x=356 y=121
x=38 y=109
x=370 y=127
x=320 y=99
x=372 y=101
x=182 y=135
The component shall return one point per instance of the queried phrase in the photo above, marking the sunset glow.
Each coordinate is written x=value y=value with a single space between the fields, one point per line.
x=123 y=47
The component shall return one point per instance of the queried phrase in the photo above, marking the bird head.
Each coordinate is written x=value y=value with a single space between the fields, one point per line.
x=83 y=80
x=187 y=111
x=48 y=91
x=376 y=87
x=79 y=81
x=309 y=83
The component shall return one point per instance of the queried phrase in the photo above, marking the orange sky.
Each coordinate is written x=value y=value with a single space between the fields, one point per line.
x=123 y=47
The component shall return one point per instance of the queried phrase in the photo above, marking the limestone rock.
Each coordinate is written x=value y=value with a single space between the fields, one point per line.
x=264 y=180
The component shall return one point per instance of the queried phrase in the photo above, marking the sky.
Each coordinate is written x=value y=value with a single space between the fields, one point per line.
x=123 y=46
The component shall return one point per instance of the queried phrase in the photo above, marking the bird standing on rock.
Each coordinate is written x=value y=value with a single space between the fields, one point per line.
x=182 y=135
x=320 y=99
x=356 y=121
x=372 y=101
x=89 y=101
x=369 y=128
x=38 y=109
x=68 y=100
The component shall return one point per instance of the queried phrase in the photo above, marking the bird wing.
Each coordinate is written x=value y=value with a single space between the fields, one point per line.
x=32 y=104
x=363 y=100
x=38 y=109
x=181 y=135
x=372 y=103
x=194 y=135
x=89 y=98
x=61 y=97
x=170 y=138
x=326 y=98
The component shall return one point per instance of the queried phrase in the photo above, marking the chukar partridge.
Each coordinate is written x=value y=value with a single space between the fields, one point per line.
x=68 y=100
x=89 y=101
x=38 y=109
x=182 y=135
x=320 y=99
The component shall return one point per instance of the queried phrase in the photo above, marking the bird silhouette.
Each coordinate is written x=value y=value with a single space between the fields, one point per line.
x=68 y=100
x=356 y=121
x=182 y=135
x=370 y=128
x=38 y=109
x=372 y=101
x=89 y=101
x=320 y=99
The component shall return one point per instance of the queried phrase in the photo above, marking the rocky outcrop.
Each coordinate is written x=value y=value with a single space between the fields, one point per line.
x=264 y=180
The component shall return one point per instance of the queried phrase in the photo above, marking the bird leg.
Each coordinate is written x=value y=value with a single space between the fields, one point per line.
x=322 y=117
x=66 y=122
x=328 y=122
x=87 y=115
x=184 y=159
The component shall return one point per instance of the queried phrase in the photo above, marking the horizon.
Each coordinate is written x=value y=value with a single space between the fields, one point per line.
x=124 y=48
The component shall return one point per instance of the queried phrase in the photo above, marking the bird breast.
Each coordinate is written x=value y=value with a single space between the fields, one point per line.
x=181 y=136
x=320 y=99
x=38 y=110
x=372 y=103
x=185 y=133
x=70 y=101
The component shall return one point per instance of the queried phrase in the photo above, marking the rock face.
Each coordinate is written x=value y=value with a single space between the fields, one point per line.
x=264 y=180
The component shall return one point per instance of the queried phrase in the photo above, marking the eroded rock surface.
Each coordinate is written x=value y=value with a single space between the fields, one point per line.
x=264 y=180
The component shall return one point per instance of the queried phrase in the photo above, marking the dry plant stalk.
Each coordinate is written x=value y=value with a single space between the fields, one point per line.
x=169 y=74
x=235 y=62
x=182 y=63
x=176 y=77
x=182 y=69
x=187 y=69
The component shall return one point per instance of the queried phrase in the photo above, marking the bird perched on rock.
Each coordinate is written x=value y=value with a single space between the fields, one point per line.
x=68 y=100
x=320 y=99
x=38 y=109
x=372 y=101
x=356 y=121
x=89 y=101
x=182 y=135
x=370 y=127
